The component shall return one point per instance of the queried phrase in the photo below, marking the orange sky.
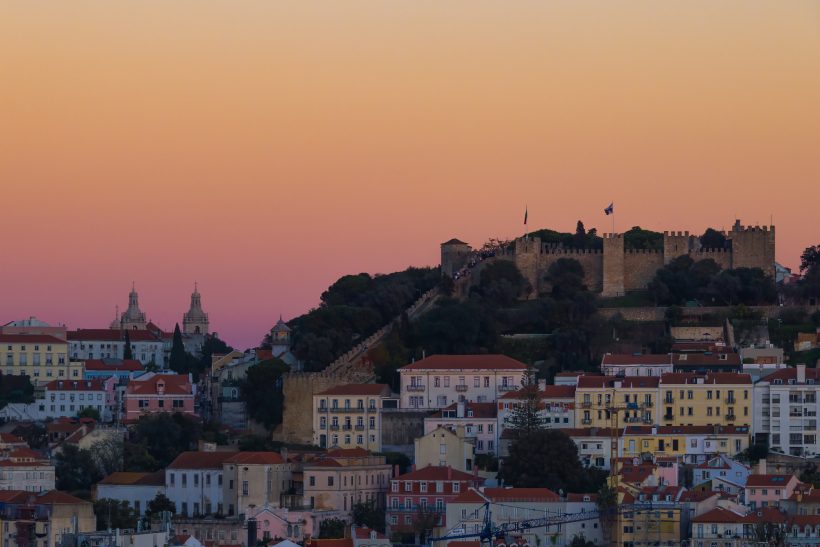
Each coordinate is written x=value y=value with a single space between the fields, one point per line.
x=265 y=148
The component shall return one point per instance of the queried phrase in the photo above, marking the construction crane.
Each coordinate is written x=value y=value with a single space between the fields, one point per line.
x=614 y=413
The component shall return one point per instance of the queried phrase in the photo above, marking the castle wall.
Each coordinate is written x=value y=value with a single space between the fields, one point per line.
x=640 y=266
x=723 y=257
x=753 y=247
x=677 y=244
x=591 y=260
x=526 y=259
x=298 y=389
x=613 y=265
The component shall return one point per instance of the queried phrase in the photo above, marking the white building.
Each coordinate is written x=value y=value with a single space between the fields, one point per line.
x=479 y=421
x=193 y=481
x=138 y=489
x=441 y=380
x=556 y=406
x=146 y=347
x=67 y=398
x=637 y=364
x=25 y=469
x=785 y=411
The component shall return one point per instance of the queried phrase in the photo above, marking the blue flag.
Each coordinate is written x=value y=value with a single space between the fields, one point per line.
x=610 y=210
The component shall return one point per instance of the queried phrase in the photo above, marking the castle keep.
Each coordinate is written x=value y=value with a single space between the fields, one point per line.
x=615 y=270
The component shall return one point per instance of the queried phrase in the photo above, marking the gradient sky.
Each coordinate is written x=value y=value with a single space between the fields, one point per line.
x=264 y=148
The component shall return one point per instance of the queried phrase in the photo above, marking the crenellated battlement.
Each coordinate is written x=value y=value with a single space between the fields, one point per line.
x=613 y=236
x=710 y=251
x=677 y=234
x=643 y=251
x=552 y=249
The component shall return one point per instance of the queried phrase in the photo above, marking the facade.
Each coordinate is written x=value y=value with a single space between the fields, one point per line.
x=152 y=393
x=656 y=520
x=281 y=522
x=255 y=479
x=341 y=478
x=43 y=519
x=478 y=420
x=689 y=444
x=32 y=325
x=438 y=381
x=349 y=416
x=26 y=470
x=769 y=490
x=615 y=269
x=67 y=398
x=445 y=447
x=706 y=399
x=556 y=406
x=138 y=489
x=194 y=482
x=426 y=490
x=122 y=369
x=721 y=468
x=785 y=411
x=146 y=347
x=636 y=364
x=634 y=398
x=41 y=357
x=702 y=363
x=195 y=320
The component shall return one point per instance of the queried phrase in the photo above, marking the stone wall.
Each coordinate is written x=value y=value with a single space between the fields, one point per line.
x=657 y=314
x=697 y=333
x=400 y=428
x=298 y=389
x=613 y=265
x=640 y=267
x=592 y=260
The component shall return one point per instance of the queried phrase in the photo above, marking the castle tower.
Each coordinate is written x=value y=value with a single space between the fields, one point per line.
x=677 y=244
x=133 y=317
x=753 y=247
x=195 y=320
x=280 y=337
x=527 y=253
x=613 y=265
x=454 y=255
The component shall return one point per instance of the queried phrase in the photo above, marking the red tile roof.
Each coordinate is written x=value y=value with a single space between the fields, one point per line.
x=548 y=392
x=770 y=480
x=58 y=497
x=344 y=542
x=125 y=478
x=705 y=359
x=265 y=458
x=639 y=359
x=130 y=365
x=431 y=473
x=363 y=532
x=30 y=339
x=719 y=515
x=678 y=378
x=201 y=460
x=790 y=373
x=466 y=362
x=8 y=438
x=347 y=453
x=111 y=335
x=95 y=384
x=470 y=496
x=175 y=384
x=358 y=389
x=479 y=410
x=633 y=382
x=521 y=494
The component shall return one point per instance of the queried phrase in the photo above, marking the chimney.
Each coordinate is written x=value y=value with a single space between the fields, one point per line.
x=460 y=409
x=801 y=373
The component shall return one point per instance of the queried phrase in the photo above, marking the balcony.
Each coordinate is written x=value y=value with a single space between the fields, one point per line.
x=731 y=401
x=646 y=404
x=586 y=404
x=669 y=400
x=507 y=387
x=322 y=409
x=347 y=427
x=334 y=427
x=415 y=387
x=730 y=417
x=668 y=417
x=461 y=387
x=359 y=428
x=586 y=421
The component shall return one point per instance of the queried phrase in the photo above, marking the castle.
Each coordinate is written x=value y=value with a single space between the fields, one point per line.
x=616 y=270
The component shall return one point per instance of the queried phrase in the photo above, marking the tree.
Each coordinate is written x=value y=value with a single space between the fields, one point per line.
x=712 y=239
x=127 y=352
x=157 y=439
x=525 y=418
x=178 y=361
x=770 y=532
x=607 y=503
x=809 y=258
x=112 y=514
x=580 y=240
x=159 y=504
x=424 y=521
x=89 y=412
x=262 y=391
x=34 y=435
x=333 y=528
x=501 y=282
x=566 y=276
x=75 y=469
x=547 y=458
x=673 y=315
x=369 y=514
x=578 y=540
x=108 y=455
x=638 y=238
x=809 y=284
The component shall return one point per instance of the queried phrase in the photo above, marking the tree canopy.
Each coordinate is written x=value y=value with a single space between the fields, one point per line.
x=638 y=238
x=712 y=239
x=262 y=391
x=156 y=439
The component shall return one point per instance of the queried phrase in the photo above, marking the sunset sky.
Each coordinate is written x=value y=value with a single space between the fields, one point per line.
x=264 y=148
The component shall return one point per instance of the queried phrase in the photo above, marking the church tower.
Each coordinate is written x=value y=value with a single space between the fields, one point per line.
x=195 y=321
x=280 y=338
x=133 y=317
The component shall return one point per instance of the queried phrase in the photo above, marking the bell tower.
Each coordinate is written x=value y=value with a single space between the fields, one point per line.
x=133 y=317
x=195 y=321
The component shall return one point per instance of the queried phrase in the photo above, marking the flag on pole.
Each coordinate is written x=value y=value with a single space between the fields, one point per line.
x=525 y=216
x=610 y=210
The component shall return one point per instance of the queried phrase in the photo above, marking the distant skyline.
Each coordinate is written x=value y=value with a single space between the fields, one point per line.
x=264 y=149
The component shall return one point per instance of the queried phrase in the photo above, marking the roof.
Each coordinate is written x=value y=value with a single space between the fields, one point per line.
x=29 y=339
x=357 y=389
x=111 y=335
x=348 y=453
x=768 y=480
x=58 y=497
x=686 y=430
x=280 y=326
x=454 y=241
x=716 y=378
x=547 y=392
x=8 y=438
x=466 y=362
x=720 y=515
x=125 y=478
x=130 y=365
x=633 y=382
x=521 y=494
x=267 y=458
x=431 y=473
x=577 y=498
x=95 y=384
x=201 y=460
x=479 y=410
x=343 y=542
x=790 y=373
x=363 y=532
x=175 y=384
x=636 y=359
x=705 y=359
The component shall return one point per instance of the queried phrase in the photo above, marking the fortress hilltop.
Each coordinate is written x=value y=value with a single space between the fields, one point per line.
x=615 y=270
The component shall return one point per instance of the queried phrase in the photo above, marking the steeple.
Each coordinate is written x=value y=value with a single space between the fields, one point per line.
x=195 y=321
x=133 y=318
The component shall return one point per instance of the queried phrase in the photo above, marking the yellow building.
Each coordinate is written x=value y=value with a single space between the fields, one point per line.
x=41 y=357
x=349 y=416
x=444 y=447
x=715 y=398
x=633 y=398
x=656 y=520
x=688 y=444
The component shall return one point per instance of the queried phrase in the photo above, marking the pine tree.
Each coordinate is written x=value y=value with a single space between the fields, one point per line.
x=127 y=353
x=179 y=359
x=525 y=419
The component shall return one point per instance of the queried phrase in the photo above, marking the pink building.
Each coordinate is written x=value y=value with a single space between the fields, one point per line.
x=280 y=523
x=158 y=393
x=769 y=490
x=340 y=478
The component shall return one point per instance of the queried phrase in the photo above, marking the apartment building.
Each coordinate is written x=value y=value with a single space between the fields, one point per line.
x=634 y=398
x=44 y=519
x=154 y=392
x=656 y=520
x=255 y=479
x=194 y=482
x=769 y=489
x=66 y=398
x=136 y=488
x=438 y=381
x=714 y=398
x=445 y=447
x=349 y=416
x=478 y=420
x=785 y=411
x=24 y=469
x=146 y=346
x=556 y=406
x=636 y=364
x=41 y=357
x=691 y=444
x=341 y=478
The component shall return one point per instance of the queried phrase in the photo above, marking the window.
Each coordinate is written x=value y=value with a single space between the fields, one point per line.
x=244 y=488
x=330 y=480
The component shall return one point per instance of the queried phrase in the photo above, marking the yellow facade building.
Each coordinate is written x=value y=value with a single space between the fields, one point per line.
x=633 y=398
x=656 y=520
x=687 y=444
x=349 y=416
x=41 y=357
x=716 y=398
